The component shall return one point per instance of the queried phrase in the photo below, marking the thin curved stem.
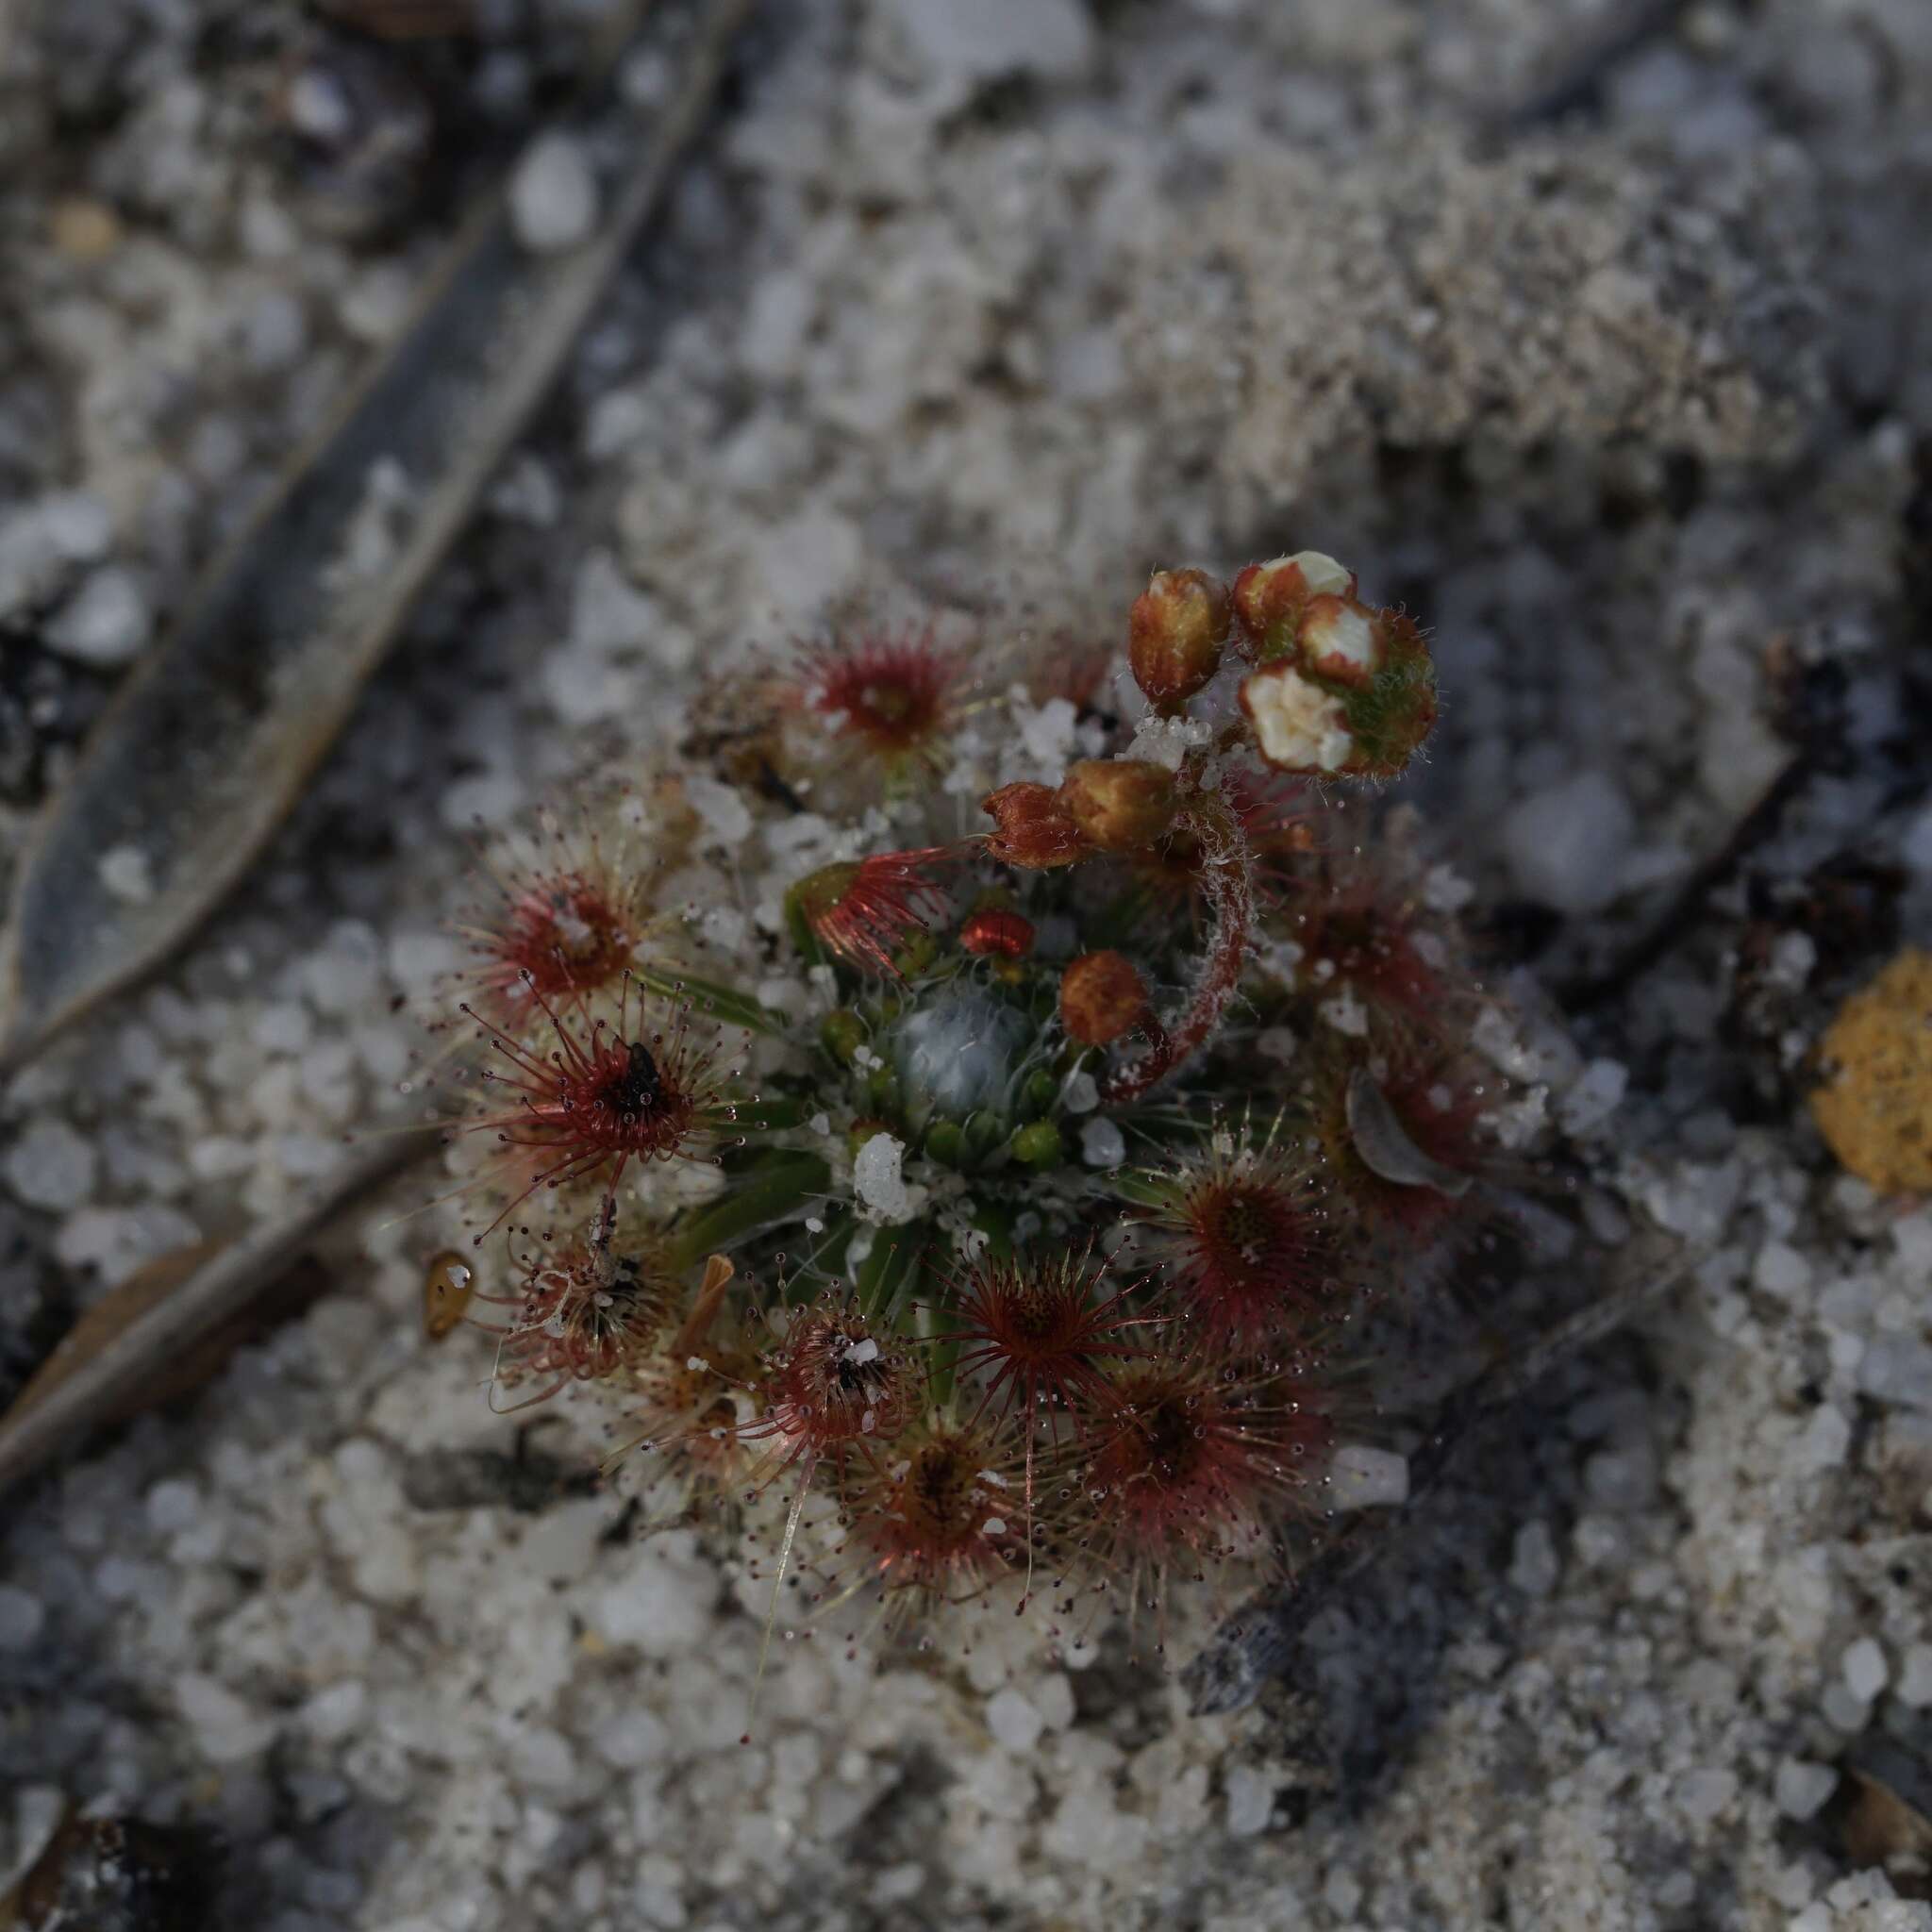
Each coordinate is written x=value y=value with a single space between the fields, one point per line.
x=1228 y=883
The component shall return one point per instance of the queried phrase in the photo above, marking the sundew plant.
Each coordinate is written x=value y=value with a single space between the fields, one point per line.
x=955 y=1108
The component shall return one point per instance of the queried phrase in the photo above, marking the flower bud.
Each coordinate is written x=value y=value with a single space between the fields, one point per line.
x=1342 y=639
x=1175 y=634
x=1340 y=687
x=1032 y=827
x=1269 y=598
x=1102 y=996
x=1398 y=712
x=1120 y=805
x=997 y=929
x=1040 y=1146
x=842 y=1033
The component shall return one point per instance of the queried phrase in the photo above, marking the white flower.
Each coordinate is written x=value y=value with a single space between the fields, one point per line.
x=1300 y=726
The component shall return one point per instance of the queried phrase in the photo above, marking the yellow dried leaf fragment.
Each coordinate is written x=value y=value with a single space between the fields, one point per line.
x=1876 y=1107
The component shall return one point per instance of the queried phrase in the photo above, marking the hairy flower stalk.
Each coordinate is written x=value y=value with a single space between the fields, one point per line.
x=1053 y=1197
x=1227 y=884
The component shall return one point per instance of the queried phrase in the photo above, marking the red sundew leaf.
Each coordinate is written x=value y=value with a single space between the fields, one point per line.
x=559 y=929
x=892 y=692
x=1242 y=1232
x=586 y=1310
x=602 y=1100
x=1040 y=1333
x=932 y=1515
x=1199 y=1461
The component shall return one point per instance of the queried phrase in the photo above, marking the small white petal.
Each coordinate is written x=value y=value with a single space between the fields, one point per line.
x=1336 y=634
x=1325 y=577
x=1300 y=726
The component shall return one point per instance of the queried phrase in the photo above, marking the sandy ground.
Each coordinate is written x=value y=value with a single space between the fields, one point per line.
x=990 y=310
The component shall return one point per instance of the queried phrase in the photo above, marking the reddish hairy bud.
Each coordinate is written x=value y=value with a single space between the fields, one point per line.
x=1175 y=634
x=1269 y=598
x=998 y=930
x=1033 y=827
x=865 y=910
x=1342 y=639
x=1102 y=997
x=1120 y=805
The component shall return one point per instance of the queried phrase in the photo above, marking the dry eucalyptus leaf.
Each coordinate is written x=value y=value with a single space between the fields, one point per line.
x=117 y=1311
x=204 y=752
x=119 y=1874
x=1878 y=1827
x=163 y=1331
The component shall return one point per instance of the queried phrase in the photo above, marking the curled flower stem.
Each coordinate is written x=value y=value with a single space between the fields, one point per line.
x=1227 y=884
